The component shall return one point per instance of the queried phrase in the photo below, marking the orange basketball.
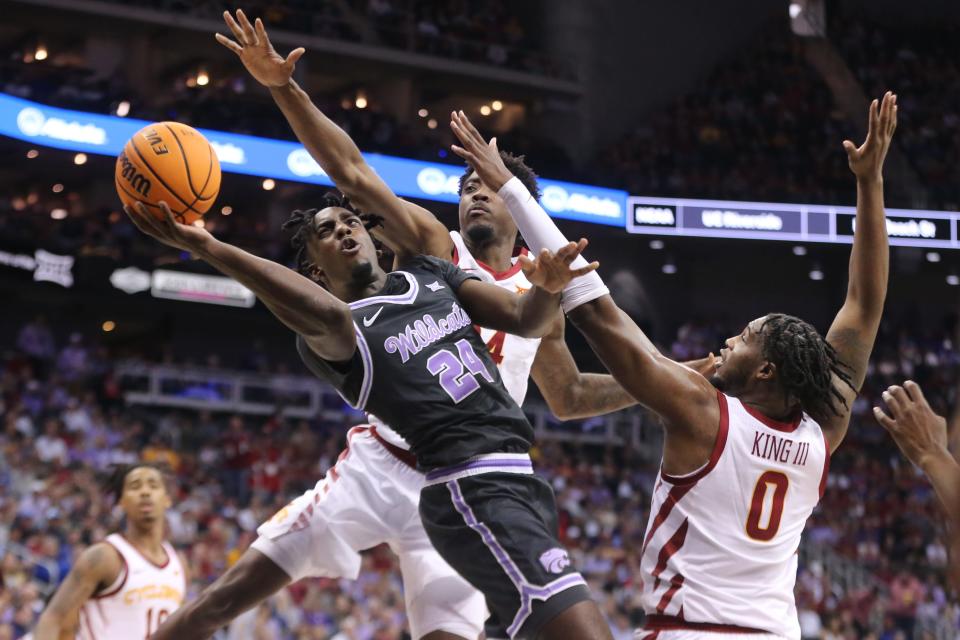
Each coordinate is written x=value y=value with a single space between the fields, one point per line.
x=171 y=162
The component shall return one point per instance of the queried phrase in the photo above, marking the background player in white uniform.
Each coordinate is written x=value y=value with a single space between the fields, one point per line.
x=125 y=586
x=743 y=466
x=371 y=495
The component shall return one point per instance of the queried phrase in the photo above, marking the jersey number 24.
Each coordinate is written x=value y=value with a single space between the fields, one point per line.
x=458 y=371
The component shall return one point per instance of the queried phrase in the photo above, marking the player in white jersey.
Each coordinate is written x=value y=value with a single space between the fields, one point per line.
x=744 y=457
x=372 y=494
x=127 y=585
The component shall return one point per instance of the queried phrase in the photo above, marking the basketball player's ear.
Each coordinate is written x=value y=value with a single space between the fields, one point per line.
x=316 y=274
x=767 y=370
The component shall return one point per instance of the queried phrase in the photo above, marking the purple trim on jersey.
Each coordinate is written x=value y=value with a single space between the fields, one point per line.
x=493 y=464
x=528 y=592
x=367 y=383
x=400 y=298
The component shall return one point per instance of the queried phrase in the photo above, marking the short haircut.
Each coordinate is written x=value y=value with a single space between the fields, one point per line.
x=117 y=476
x=518 y=167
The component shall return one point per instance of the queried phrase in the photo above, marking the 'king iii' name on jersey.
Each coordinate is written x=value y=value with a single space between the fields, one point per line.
x=421 y=367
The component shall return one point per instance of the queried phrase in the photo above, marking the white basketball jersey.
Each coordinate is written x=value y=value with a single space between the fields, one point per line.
x=512 y=354
x=140 y=599
x=721 y=543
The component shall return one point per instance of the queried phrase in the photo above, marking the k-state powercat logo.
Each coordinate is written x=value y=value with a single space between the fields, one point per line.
x=555 y=560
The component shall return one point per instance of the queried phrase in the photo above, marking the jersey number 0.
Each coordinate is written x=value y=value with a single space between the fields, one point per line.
x=779 y=483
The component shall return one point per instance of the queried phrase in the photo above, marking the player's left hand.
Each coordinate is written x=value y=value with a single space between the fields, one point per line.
x=866 y=161
x=919 y=432
x=551 y=271
x=482 y=156
x=253 y=47
x=186 y=237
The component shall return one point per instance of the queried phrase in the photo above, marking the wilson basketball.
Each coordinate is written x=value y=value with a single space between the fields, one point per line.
x=169 y=162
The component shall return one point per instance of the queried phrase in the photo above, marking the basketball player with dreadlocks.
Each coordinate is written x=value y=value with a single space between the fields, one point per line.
x=349 y=518
x=746 y=453
x=125 y=586
x=402 y=346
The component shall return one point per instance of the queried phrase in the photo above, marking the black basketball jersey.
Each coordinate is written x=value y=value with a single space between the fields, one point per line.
x=421 y=367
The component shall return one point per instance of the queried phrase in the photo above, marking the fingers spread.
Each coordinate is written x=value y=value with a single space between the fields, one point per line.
x=582 y=271
x=894 y=401
x=295 y=55
x=228 y=43
x=248 y=32
x=234 y=27
x=885 y=421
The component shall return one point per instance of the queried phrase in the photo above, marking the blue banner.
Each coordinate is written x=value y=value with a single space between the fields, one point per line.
x=106 y=135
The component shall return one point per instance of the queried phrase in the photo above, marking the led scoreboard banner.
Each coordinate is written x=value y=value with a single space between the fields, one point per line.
x=267 y=158
x=102 y=134
x=789 y=222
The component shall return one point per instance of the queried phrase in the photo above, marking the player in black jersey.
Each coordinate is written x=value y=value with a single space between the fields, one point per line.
x=402 y=346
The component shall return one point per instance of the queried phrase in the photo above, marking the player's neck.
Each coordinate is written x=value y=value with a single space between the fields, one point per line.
x=774 y=406
x=496 y=254
x=147 y=539
x=353 y=291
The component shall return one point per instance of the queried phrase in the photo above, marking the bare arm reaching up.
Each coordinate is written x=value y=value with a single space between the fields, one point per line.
x=854 y=330
x=407 y=228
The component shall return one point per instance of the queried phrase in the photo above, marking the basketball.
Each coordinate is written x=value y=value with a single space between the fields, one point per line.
x=169 y=162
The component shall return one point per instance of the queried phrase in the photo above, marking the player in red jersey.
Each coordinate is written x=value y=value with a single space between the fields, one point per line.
x=745 y=453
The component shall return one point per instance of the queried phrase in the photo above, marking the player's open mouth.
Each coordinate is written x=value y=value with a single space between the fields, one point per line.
x=349 y=246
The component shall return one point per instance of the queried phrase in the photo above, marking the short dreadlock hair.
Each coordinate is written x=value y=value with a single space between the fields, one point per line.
x=806 y=364
x=301 y=222
x=117 y=475
x=518 y=167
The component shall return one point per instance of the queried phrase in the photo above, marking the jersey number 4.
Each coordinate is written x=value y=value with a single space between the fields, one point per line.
x=458 y=371
x=758 y=527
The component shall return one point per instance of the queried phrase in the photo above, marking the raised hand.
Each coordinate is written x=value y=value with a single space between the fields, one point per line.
x=253 y=48
x=551 y=271
x=186 y=237
x=866 y=161
x=918 y=431
x=482 y=156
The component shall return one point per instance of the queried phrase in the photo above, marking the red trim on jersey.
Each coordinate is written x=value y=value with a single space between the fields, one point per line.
x=497 y=275
x=675 y=495
x=718 y=447
x=826 y=464
x=786 y=427
x=674 y=544
x=126 y=572
x=402 y=455
x=141 y=554
x=658 y=622
x=653 y=635
x=675 y=583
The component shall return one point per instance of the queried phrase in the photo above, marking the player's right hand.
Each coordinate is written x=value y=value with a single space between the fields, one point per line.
x=551 y=271
x=919 y=432
x=253 y=48
x=186 y=237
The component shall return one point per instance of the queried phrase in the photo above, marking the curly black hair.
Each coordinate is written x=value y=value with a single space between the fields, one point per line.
x=117 y=475
x=806 y=364
x=518 y=167
x=301 y=222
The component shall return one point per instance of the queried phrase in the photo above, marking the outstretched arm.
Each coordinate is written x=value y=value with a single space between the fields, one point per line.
x=854 y=330
x=96 y=568
x=407 y=228
x=298 y=302
x=570 y=393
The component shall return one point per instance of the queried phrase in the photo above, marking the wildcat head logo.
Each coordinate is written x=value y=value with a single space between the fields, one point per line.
x=555 y=560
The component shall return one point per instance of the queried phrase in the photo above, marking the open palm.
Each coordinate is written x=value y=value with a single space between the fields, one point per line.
x=866 y=161
x=252 y=46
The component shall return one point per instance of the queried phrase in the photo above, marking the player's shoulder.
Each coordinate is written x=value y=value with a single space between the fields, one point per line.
x=425 y=263
x=100 y=560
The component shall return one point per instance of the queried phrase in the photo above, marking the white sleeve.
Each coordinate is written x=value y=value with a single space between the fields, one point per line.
x=540 y=232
